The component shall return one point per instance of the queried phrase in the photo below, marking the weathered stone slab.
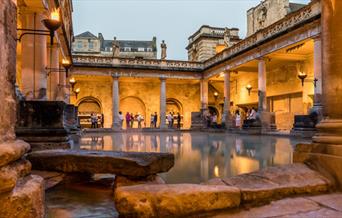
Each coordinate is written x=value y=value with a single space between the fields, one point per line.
x=11 y=151
x=333 y=201
x=281 y=181
x=26 y=200
x=129 y=164
x=175 y=200
x=51 y=179
x=124 y=181
x=11 y=173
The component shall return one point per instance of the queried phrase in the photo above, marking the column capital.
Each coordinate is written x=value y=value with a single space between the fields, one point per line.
x=162 y=78
x=115 y=76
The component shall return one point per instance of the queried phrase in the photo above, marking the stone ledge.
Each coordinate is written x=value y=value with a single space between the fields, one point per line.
x=128 y=164
x=277 y=182
x=174 y=200
x=11 y=151
x=11 y=173
x=26 y=200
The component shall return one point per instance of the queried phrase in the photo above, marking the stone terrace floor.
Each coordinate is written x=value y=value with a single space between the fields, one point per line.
x=325 y=206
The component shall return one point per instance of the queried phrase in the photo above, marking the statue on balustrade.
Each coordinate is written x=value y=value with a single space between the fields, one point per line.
x=163 y=50
x=116 y=48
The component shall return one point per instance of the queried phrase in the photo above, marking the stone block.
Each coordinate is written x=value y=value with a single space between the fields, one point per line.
x=128 y=164
x=175 y=200
x=9 y=174
x=281 y=181
x=26 y=200
x=51 y=179
x=11 y=151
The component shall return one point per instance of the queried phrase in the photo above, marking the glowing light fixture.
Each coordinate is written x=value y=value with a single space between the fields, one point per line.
x=249 y=88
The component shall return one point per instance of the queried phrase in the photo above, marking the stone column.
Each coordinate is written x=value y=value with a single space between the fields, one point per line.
x=204 y=95
x=262 y=106
x=34 y=61
x=318 y=107
x=226 y=107
x=53 y=78
x=162 y=103
x=264 y=115
x=116 y=103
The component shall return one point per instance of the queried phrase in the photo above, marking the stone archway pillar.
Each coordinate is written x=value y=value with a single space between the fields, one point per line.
x=226 y=107
x=204 y=95
x=116 y=103
x=162 y=103
x=318 y=107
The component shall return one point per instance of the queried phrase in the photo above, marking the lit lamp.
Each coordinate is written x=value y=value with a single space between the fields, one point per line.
x=66 y=64
x=72 y=82
x=216 y=95
x=77 y=91
x=249 y=88
x=52 y=23
x=302 y=76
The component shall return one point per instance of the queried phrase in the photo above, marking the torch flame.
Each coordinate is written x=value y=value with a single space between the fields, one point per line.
x=55 y=15
x=78 y=90
x=65 y=61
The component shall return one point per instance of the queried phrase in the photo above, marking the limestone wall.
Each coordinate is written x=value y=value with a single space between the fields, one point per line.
x=139 y=96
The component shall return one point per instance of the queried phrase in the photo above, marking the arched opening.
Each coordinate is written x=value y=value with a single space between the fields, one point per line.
x=174 y=106
x=87 y=106
x=135 y=106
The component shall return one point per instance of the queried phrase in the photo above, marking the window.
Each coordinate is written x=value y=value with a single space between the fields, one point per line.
x=141 y=49
x=79 y=45
x=134 y=49
x=91 y=45
x=149 y=49
x=127 y=49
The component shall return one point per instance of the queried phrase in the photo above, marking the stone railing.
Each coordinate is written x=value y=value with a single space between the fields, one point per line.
x=290 y=21
x=136 y=63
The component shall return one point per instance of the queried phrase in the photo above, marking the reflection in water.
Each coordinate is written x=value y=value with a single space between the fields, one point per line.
x=200 y=156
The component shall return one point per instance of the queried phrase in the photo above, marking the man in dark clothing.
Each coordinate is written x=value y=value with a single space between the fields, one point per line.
x=178 y=120
x=155 y=119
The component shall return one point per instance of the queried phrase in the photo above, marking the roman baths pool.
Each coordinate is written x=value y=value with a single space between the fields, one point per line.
x=199 y=157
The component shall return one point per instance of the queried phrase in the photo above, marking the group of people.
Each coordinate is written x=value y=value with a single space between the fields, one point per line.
x=94 y=120
x=211 y=120
x=130 y=118
x=171 y=120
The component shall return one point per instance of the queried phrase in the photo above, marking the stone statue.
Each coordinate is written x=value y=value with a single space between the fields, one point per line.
x=116 y=48
x=226 y=38
x=163 y=50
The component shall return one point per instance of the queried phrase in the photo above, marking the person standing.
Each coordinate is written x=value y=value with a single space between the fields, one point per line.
x=128 y=120
x=96 y=121
x=169 y=120
x=92 y=120
x=155 y=119
x=132 y=120
x=237 y=119
x=139 y=119
x=172 y=119
x=178 y=120
x=152 y=121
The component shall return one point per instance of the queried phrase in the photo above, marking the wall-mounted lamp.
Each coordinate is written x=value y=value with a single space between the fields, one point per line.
x=302 y=76
x=249 y=89
x=216 y=95
x=52 y=24
x=77 y=91
x=72 y=82
x=65 y=63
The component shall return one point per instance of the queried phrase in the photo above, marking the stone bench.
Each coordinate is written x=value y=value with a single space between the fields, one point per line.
x=127 y=164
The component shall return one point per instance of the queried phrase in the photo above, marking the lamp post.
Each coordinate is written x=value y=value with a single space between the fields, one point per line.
x=52 y=24
x=249 y=88
x=72 y=82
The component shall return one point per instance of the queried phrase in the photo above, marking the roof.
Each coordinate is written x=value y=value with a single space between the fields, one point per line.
x=86 y=34
x=129 y=43
x=295 y=6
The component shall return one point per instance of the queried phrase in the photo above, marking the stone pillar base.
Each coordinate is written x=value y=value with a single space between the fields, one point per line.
x=267 y=120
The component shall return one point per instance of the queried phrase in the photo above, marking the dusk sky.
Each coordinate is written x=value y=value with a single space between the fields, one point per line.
x=170 y=20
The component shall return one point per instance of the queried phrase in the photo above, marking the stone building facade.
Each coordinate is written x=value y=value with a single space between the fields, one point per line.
x=88 y=43
x=208 y=41
x=269 y=12
x=268 y=61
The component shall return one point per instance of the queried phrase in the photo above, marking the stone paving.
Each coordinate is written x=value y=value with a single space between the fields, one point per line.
x=327 y=206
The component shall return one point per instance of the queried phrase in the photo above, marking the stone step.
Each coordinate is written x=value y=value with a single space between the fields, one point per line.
x=129 y=164
x=26 y=200
x=176 y=200
x=277 y=182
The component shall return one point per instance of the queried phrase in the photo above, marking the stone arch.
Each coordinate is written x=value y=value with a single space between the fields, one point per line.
x=133 y=105
x=173 y=105
x=86 y=106
x=89 y=104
